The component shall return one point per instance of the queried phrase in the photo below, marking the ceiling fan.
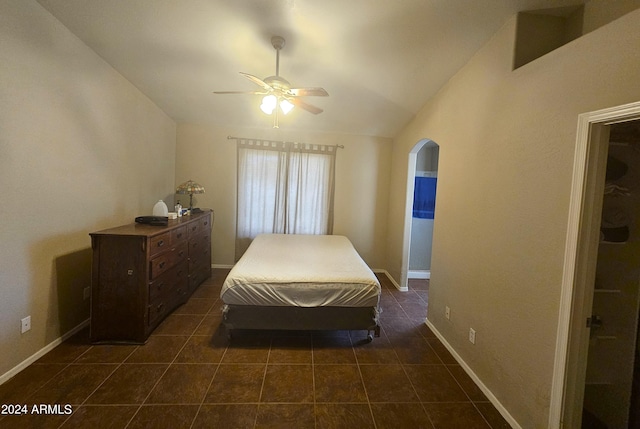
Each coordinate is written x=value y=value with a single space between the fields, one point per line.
x=278 y=91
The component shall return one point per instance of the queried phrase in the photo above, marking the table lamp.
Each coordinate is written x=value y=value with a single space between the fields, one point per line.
x=190 y=187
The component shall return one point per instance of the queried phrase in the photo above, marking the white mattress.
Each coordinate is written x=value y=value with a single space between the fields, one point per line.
x=302 y=271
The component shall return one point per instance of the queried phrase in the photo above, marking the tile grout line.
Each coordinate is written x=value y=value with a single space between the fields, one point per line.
x=103 y=381
x=468 y=397
x=407 y=375
x=454 y=378
x=163 y=374
x=364 y=387
x=313 y=384
x=264 y=377
x=204 y=396
x=396 y=329
x=66 y=365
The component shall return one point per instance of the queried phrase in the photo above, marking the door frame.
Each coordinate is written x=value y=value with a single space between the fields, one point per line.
x=408 y=211
x=581 y=251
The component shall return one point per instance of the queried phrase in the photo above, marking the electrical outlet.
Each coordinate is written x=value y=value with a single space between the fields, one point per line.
x=472 y=336
x=86 y=293
x=26 y=324
x=447 y=312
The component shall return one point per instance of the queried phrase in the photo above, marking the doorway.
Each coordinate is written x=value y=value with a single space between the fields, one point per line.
x=614 y=317
x=586 y=339
x=419 y=214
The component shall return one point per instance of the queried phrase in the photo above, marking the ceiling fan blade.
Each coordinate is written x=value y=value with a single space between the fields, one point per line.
x=305 y=106
x=320 y=92
x=257 y=81
x=241 y=92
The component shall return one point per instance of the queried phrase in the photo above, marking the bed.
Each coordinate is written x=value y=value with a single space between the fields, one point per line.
x=301 y=282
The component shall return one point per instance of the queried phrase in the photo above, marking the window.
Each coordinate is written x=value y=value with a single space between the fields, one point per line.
x=283 y=188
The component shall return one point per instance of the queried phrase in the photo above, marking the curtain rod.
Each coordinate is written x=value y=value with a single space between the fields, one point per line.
x=275 y=141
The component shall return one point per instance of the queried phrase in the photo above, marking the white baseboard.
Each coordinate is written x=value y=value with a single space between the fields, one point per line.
x=224 y=266
x=43 y=351
x=391 y=279
x=419 y=274
x=501 y=409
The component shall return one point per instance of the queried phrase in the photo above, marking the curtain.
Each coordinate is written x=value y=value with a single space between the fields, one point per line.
x=283 y=188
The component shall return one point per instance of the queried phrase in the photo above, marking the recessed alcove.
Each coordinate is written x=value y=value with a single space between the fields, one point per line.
x=539 y=32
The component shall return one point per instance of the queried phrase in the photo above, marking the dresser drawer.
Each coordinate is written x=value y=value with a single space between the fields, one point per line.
x=197 y=275
x=205 y=223
x=157 y=310
x=179 y=293
x=178 y=235
x=159 y=243
x=194 y=228
x=200 y=245
x=165 y=283
x=167 y=260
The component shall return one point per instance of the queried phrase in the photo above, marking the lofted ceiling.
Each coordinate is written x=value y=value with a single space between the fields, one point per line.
x=379 y=60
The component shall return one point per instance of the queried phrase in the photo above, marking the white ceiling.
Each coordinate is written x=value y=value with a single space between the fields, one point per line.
x=380 y=60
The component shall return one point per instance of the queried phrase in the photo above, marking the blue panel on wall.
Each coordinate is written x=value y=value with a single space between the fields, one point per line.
x=424 y=197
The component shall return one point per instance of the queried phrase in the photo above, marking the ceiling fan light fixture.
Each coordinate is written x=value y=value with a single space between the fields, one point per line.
x=279 y=91
x=268 y=104
x=286 y=106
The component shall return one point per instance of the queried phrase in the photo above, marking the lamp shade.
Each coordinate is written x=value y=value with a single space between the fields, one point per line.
x=268 y=104
x=286 y=106
x=190 y=187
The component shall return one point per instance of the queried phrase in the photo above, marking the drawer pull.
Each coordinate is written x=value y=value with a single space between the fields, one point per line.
x=160 y=243
x=129 y=272
x=179 y=235
x=181 y=253
x=160 y=307
x=161 y=264
x=193 y=228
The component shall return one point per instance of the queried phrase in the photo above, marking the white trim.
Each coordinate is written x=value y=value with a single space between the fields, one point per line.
x=386 y=273
x=43 y=351
x=564 y=391
x=492 y=398
x=223 y=266
x=419 y=274
x=408 y=212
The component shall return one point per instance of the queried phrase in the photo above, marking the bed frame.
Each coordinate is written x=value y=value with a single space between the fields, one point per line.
x=301 y=318
x=280 y=283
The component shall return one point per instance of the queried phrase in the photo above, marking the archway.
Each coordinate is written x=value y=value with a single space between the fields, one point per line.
x=414 y=166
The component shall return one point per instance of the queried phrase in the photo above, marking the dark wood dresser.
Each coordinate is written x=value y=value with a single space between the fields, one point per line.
x=141 y=273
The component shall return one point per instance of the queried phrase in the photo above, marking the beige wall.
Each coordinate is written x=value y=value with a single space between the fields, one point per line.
x=205 y=155
x=600 y=12
x=507 y=142
x=81 y=149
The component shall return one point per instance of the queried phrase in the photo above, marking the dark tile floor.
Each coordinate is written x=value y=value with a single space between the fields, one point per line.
x=189 y=376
